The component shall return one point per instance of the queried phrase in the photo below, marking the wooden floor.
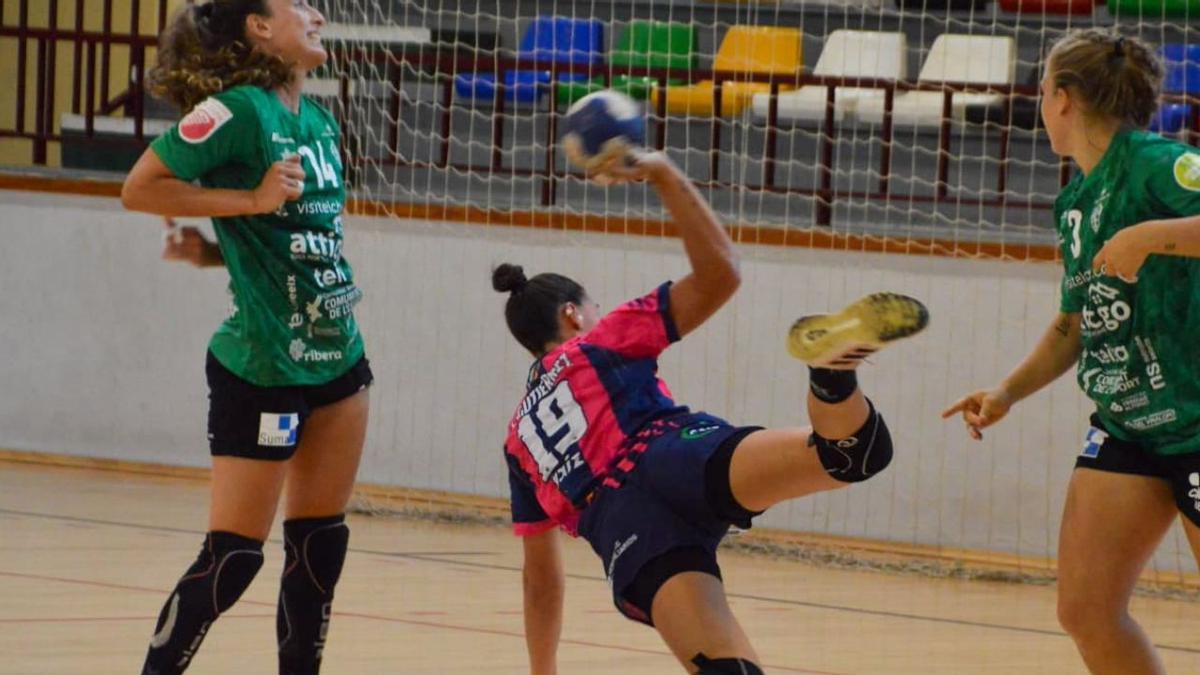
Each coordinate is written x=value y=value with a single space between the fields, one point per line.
x=87 y=557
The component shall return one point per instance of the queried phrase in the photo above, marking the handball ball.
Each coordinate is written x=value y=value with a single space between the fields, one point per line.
x=600 y=127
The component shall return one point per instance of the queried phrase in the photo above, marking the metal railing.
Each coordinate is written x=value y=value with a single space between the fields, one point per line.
x=92 y=62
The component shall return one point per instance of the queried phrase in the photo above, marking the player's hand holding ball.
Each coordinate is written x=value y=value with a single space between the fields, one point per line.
x=604 y=133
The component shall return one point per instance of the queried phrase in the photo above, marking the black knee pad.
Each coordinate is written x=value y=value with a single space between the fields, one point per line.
x=315 y=549
x=857 y=457
x=222 y=572
x=731 y=666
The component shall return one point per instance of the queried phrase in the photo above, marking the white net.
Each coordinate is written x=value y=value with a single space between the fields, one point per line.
x=820 y=132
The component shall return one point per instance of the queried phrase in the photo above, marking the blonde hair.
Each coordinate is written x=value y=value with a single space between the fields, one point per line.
x=204 y=51
x=1115 y=77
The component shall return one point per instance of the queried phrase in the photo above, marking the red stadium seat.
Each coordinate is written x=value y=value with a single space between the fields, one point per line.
x=1060 y=7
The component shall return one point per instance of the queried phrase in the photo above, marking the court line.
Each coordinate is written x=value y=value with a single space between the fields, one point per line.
x=433 y=557
x=90 y=619
x=374 y=617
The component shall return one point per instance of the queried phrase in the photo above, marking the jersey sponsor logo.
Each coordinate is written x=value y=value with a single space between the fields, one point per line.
x=1138 y=400
x=311 y=245
x=1154 y=369
x=1107 y=310
x=1153 y=420
x=1187 y=171
x=1092 y=442
x=340 y=304
x=331 y=207
x=1194 y=492
x=1110 y=354
x=698 y=431
x=299 y=351
x=276 y=137
x=1078 y=279
x=203 y=121
x=1101 y=383
x=278 y=429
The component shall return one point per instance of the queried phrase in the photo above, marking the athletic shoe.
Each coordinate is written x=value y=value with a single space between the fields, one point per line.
x=842 y=340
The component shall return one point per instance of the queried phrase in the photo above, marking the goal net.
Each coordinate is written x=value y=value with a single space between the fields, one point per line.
x=835 y=138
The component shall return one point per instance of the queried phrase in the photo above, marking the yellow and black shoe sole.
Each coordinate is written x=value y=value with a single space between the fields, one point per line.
x=863 y=327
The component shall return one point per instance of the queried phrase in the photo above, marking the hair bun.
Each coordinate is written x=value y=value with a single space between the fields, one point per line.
x=509 y=278
x=202 y=10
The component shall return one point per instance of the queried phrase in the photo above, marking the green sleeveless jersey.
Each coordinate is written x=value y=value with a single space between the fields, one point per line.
x=292 y=319
x=1141 y=357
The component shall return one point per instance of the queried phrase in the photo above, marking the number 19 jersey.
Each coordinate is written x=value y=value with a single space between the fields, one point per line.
x=1140 y=362
x=585 y=402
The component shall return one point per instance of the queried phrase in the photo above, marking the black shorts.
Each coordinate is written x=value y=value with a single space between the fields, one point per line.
x=255 y=422
x=1104 y=452
x=670 y=513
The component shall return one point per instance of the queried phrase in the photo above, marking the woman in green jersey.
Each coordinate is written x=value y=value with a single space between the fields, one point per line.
x=286 y=372
x=1129 y=226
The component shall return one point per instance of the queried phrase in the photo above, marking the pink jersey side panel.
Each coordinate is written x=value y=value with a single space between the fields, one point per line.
x=635 y=329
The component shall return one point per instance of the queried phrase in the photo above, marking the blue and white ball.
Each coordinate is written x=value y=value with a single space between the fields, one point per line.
x=601 y=127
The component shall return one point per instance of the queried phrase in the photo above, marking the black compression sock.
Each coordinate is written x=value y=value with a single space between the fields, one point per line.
x=225 y=567
x=315 y=550
x=832 y=386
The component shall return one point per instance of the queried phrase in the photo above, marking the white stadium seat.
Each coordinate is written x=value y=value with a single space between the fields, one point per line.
x=847 y=53
x=972 y=59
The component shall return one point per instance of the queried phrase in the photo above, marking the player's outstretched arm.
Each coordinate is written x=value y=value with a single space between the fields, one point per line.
x=1054 y=354
x=543 y=581
x=152 y=188
x=714 y=277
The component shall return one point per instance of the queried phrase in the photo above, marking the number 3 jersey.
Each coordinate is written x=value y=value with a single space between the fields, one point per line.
x=586 y=401
x=293 y=291
x=1140 y=362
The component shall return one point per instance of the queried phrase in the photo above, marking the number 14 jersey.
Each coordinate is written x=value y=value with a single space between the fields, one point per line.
x=584 y=403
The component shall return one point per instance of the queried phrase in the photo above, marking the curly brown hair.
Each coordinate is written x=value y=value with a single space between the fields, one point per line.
x=1117 y=77
x=204 y=51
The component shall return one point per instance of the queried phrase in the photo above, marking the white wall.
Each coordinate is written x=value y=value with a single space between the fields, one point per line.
x=103 y=348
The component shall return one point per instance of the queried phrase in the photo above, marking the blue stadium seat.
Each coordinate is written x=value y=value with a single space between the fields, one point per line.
x=1171 y=118
x=1182 y=77
x=549 y=40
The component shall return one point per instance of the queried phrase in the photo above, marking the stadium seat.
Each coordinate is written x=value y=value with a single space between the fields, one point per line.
x=1154 y=9
x=924 y=7
x=1057 y=7
x=969 y=59
x=1182 y=65
x=847 y=53
x=549 y=39
x=745 y=49
x=643 y=44
x=1022 y=114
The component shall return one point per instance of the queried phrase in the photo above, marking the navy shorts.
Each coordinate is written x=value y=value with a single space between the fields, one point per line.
x=669 y=513
x=1104 y=452
x=245 y=420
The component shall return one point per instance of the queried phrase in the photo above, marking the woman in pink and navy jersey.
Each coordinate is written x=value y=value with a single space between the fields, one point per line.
x=599 y=448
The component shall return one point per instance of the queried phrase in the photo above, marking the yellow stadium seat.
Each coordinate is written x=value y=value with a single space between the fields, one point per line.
x=745 y=49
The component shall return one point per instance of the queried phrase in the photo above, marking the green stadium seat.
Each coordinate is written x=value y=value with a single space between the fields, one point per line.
x=643 y=44
x=1154 y=9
